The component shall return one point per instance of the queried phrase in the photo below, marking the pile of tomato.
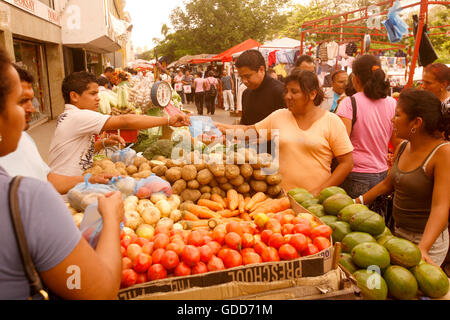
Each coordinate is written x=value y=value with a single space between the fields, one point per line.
x=185 y=252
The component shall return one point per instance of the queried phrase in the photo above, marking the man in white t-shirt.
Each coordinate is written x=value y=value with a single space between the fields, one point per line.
x=73 y=146
x=26 y=160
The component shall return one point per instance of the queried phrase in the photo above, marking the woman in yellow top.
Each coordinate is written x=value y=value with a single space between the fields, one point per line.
x=306 y=137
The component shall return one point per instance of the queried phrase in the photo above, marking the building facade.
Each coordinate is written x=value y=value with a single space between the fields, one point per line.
x=53 y=38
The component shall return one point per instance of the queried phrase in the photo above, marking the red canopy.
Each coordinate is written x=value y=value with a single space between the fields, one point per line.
x=226 y=56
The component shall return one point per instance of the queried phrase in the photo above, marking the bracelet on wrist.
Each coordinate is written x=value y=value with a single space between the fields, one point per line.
x=361 y=199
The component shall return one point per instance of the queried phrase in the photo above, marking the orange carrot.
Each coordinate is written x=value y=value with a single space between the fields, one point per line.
x=260 y=204
x=288 y=211
x=229 y=213
x=217 y=198
x=259 y=197
x=274 y=206
x=188 y=216
x=245 y=216
x=202 y=212
x=247 y=200
x=215 y=206
x=233 y=199
x=241 y=203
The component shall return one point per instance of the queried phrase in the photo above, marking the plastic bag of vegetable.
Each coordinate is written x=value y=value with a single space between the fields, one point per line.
x=92 y=224
x=85 y=193
x=161 y=147
x=153 y=184
x=201 y=125
x=126 y=185
x=126 y=156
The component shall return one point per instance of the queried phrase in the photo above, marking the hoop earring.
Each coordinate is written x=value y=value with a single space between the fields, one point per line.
x=413 y=130
x=1 y=138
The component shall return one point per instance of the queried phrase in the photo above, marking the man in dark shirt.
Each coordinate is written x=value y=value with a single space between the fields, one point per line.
x=263 y=95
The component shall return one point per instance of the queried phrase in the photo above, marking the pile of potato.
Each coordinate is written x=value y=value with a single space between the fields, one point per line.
x=140 y=169
x=77 y=216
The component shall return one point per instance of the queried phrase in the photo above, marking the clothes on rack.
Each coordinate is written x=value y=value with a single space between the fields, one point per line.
x=273 y=58
x=323 y=52
x=341 y=51
x=427 y=54
x=332 y=50
x=351 y=49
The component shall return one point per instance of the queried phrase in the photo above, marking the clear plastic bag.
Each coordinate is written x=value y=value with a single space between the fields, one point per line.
x=126 y=185
x=92 y=224
x=396 y=28
x=85 y=193
x=203 y=127
x=153 y=184
x=126 y=156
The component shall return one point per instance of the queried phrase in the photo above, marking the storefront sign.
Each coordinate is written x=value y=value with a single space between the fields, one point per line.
x=38 y=9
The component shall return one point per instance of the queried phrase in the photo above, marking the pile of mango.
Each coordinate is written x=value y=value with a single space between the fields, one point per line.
x=383 y=265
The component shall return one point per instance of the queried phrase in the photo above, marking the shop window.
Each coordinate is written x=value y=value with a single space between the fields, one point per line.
x=31 y=57
x=49 y=3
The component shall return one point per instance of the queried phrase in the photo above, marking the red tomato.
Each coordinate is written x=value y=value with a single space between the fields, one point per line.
x=215 y=264
x=122 y=234
x=142 y=263
x=133 y=238
x=207 y=239
x=233 y=241
x=302 y=228
x=278 y=216
x=248 y=228
x=276 y=240
x=175 y=232
x=148 y=248
x=162 y=229
x=133 y=251
x=156 y=272
x=170 y=260
x=270 y=255
x=287 y=252
x=126 y=263
x=265 y=236
x=247 y=250
x=274 y=225
x=161 y=241
x=123 y=251
x=232 y=259
x=126 y=241
x=176 y=237
x=141 y=278
x=235 y=226
x=219 y=235
x=298 y=220
x=142 y=241
x=157 y=255
x=299 y=242
x=222 y=252
x=248 y=241
x=199 y=268
x=175 y=247
x=310 y=250
x=251 y=258
x=260 y=247
x=182 y=270
x=321 y=243
x=321 y=231
x=190 y=255
x=287 y=228
x=195 y=238
x=309 y=240
x=206 y=253
x=287 y=218
x=215 y=246
x=129 y=278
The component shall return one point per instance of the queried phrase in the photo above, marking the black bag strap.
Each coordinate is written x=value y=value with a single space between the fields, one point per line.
x=355 y=112
x=36 y=288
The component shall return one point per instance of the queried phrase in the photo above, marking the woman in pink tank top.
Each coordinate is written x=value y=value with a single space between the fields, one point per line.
x=420 y=178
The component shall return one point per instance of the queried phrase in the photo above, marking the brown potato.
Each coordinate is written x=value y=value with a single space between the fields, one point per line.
x=237 y=181
x=222 y=180
x=206 y=196
x=265 y=160
x=258 y=175
x=173 y=163
x=216 y=190
x=246 y=170
x=160 y=170
x=179 y=186
x=205 y=177
x=123 y=172
x=120 y=165
x=191 y=195
x=139 y=160
x=189 y=172
x=132 y=170
x=274 y=191
x=193 y=184
x=155 y=163
x=244 y=188
x=97 y=170
x=173 y=174
x=218 y=170
x=232 y=171
x=105 y=163
x=114 y=172
x=274 y=179
x=205 y=189
x=258 y=186
x=160 y=158
x=144 y=167
x=226 y=186
x=213 y=183
x=142 y=174
x=200 y=166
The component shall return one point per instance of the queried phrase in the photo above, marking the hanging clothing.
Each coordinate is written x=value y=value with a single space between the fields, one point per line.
x=332 y=50
x=341 y=51
x=273 y=58
x=351 y=49
x=323 y=52
x=427 y=54
x=367 y=43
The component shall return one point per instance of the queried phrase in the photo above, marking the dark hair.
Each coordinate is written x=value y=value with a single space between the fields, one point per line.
x=252 y=59
x=109 y=69
x=210 y=73
x=440 y=71
x=271 y=70
x=308 y=83
x=102 y=81
x=123 y=76
x=334 y=74
x=349 y=89
x=24 y=75
x=77 y=82
x=424 y=104
x=5 y=82
x=303 y=58
x=199 y=74
x=368 y=70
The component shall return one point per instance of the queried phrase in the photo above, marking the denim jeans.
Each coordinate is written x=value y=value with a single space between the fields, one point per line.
x=358 y=184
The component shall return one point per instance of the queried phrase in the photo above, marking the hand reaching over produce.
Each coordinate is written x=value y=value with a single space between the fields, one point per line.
x=114 y=140
x=179 y=120
x=110 y=206
x=100 y=178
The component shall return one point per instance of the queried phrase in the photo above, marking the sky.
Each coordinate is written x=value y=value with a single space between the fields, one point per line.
x=148 y=16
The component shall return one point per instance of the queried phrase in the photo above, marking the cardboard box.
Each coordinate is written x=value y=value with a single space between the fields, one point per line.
x=231 y=283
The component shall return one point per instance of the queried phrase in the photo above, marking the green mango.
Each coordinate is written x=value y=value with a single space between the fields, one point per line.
x=330 y=191
x=368 y=221
x=349 y=211
x=336 y=203
x=317 y=210
x=369 y=254
x=340 y=230
x=297 y=190
x=310 y=202
x=372 y=285
x=401 y=283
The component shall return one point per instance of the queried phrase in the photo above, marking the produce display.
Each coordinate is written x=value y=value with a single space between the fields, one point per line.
x=383 y=265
